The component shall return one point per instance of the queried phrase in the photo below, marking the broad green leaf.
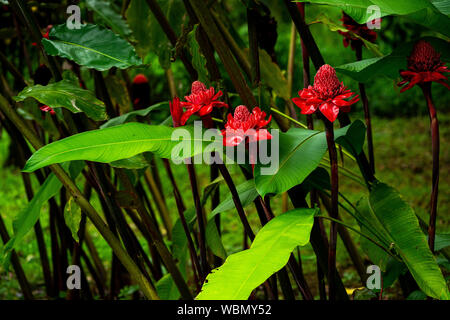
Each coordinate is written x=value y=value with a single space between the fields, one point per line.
x=131 y=116
x=391 y=64
x=244 y=271
x=401 y=229
x=107 y=14
x=422 y=12
x=136 y=162
x=166 y=288
x=72 y=217
x=91 y=46
x=442 y=241
x=247 y=193
x=214 y=241
x=29 y=215
x=300 y=152
x=64 y=94
x=120 y=142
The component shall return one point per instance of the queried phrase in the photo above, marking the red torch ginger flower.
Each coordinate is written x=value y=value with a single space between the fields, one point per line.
x=424 y=65
x=327 y=94
x=201 y=101
x=359 y=29
x=245 y=124
x=47 y=109
x=176 y=110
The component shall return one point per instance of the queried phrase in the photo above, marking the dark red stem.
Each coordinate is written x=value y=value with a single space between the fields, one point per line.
x=434 y=124
x=365 y=102
x=334 y=208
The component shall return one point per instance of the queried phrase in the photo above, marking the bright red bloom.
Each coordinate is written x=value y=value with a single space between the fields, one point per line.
x=245 y=124
x=424 y=65
x=47 y=109
x=327 y=94
x=140 y=78
x=176 y=110
x=201 y=101
x=359 y=29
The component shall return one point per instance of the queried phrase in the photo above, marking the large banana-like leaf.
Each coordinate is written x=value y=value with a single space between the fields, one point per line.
x=91 y=46
x=399 y=226
x=244 y=271
x=66 y=95
x=300 y=152
x=120 y=142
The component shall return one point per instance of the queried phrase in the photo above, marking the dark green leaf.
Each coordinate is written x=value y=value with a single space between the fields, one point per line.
x=91 y=46
x=64 y=94
x=107 y=14
x=131 y=116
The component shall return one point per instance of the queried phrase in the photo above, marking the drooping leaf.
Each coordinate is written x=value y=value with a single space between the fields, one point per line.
x=391 y=64
x=64 y=94
x=72 y=217
x=130 y=116
x=244 y=271
x=107 y=14
x=120 y=142
x=401 y=229
x=247 y=193
x=91 y=46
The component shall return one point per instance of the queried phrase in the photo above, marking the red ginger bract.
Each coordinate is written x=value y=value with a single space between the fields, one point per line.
x=328 y=95
x=245 y=124
x=424 y=65
x=201 y=101
x=360 y=29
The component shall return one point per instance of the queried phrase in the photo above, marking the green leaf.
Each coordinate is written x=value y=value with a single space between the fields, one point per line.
x=198 y=59
x=139 y=19
x=352 y=137
x=119 y=142
x=166 y=288
x=136 y=162
x=107 y=14
x=29 y=215
x=91 y=46
x=391 y=64
x=64 y=94
x=272 y=76
x=214 y=241
x=300 y=152
x=247 y=193
x=72 y=217
x=118 y=92
x=131 y=116
x=400 y=227
x=244 y=271
x=442 y=241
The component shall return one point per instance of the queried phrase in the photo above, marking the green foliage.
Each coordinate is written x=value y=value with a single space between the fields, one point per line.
x=398 y=226
x=64 y=94
x=244 y=271
x=91 y=46
x=72 y=217
x=110 y=17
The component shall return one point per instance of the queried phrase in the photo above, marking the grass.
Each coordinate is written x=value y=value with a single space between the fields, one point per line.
x=403 y=160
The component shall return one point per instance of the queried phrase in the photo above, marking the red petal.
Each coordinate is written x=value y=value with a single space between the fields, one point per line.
x=330 y=111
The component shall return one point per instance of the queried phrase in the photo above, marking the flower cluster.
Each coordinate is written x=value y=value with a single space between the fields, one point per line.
x=245 y=125
x=424 y=65
x=355 y=28
x=328 y=95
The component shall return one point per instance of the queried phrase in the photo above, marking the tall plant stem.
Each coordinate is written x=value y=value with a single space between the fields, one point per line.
x=90 y=211
x=201 y=221
x=290 y=70
x=434 y=124
x=365 y=102
x=334 y=208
